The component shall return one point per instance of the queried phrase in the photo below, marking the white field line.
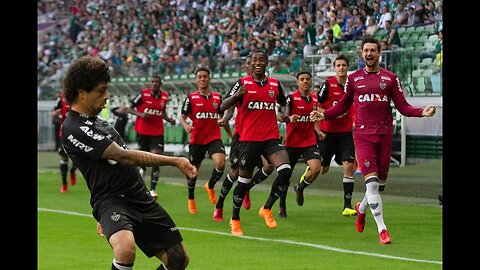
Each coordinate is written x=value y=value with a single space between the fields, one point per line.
x=271 y=240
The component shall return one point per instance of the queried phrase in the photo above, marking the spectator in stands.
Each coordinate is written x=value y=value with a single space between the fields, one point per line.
x=400 y=16
x=421 y=16
x=391 y=36
x=386 y=16
x=128 y=216
x=436 y=51
x=373 y=122
x=411 y=16
x=149 y=106
x=203 y=109
x=60 y=112
x=371 y=27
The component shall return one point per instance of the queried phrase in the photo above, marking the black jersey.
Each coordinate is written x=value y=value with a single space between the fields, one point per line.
x=84 y=139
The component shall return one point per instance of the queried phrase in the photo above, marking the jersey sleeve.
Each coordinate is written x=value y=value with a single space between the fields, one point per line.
x=323 y=93
x=58 y=104
x=136 y=101
x=187 y=106
x=233 y=89
x=401 y=103
x=281 y=99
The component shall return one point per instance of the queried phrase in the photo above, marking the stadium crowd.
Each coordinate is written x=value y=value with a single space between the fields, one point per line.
x=142 y=37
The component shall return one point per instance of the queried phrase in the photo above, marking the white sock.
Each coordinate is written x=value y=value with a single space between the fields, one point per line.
x=375 y=204
x=363 y=205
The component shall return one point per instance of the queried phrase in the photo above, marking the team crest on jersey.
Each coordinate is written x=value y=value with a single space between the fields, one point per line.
x=271 y=93
x=382 y=85
x=115 y=217
x=215 y=105
x=367 y=164
x=162 y=104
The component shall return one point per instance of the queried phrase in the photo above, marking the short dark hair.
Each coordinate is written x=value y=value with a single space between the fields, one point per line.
x=369 y=39
x=303 y=72
x=341 y=56
x=85 y=74
x=202 y=69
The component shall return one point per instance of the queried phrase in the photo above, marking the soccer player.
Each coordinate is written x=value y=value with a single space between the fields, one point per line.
x=149 y=107
x=371 y=90
x=60 y=111
x=300 y=137
x=203 y=109
x=258 y=136
x=265 y=169
x=122 y=119
x=339 y=139
x=127 y=214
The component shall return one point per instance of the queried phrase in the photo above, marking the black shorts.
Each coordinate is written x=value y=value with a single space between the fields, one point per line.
x=250 y=152
x=307 y=153
x=148 y=143
x=339 y=144
x=153 y=228
x=196 y=152
x=62 y=152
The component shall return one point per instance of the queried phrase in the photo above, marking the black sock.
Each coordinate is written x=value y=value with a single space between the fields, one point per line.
x=155 y=175
x=280 y=185
x=283 y=201
x=302 y=185
x=259 y=177
x=348 y=183
x=191 y=188
x=238 y=195
x=216 y=175
x=226 y=186
x=63 y=171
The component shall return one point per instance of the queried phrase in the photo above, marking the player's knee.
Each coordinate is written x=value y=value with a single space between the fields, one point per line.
x=125 y=252
x=177 y=257
x=324 y=169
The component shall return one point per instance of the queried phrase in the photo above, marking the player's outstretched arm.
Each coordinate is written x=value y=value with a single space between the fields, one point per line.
x=142 y=158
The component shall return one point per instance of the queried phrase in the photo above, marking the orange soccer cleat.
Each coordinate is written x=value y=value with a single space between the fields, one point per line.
x=266 y=214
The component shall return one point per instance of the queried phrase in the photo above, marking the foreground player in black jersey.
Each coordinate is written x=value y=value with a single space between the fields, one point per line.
x=121 y=202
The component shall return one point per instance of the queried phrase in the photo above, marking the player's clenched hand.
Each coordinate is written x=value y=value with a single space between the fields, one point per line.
x=429 y=111
x=186 y=167
x=316 y=116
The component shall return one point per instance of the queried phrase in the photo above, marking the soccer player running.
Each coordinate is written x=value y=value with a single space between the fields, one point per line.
x=258 y=136
x=60 y=111
x=203 y=109
x=129 y=216
x=339 y=138
x=371 y=90
x=149 y=107
x=265 y=169
x=300 y=136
